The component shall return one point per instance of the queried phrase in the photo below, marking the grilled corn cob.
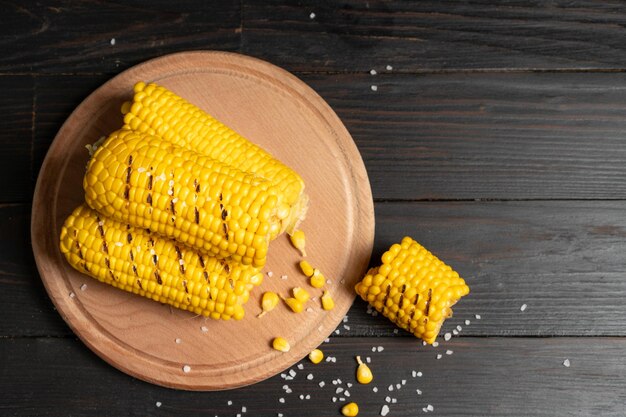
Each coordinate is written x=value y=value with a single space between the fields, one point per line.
x=158 y=111
x=139 y=179
x=137 y=261
x=413 y=288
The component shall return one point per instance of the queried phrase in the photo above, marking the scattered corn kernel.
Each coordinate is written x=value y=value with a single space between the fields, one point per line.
x=281 y=344
x=363 y=372
x=294 y=304
x=300 y=294
x=413 y=288
x=327 y=301
x=350 y=410
x=297 y=240
x=317 y=280
x=316 y=356
x=268 y=302
x=306 y=268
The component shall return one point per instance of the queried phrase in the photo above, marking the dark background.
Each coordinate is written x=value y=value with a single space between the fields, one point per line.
x=498 y=140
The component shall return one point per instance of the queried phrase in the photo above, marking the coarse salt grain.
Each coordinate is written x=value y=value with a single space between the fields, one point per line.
x=229 y=402
x=435 y=344
x=300 y=366
x=141 y=169
x=309 y=377
x=244 y=409
x=328 y=281
x=467 y=322
x=83 y=287
x=339 y=390
x=337 y=331
x=112 y=41
x=394 y=400
x=395 y=331
x=419 y=391
x=413 y=374
x=566 y=363
x=404 y=382
x=449 y=352
x=279 y=415
x=281 y=400
x=368 y=360
x=419 y=374
x=477 y=316
x=389 y=67
x=430 y=407
x=459 y=328
x=301 y=396
x=349 y=385
x=292 y=373
x=390 y=387
x=380 y=348
x=312 y=16
x=178 y=341
x=375 y=389
x=385 y=410
x=284 y=277
x=307 y=397
x=345 y=326
x=455 y=332
x=72 y=295
x=270 y=274
x=321 y=384
x=327 y=340
x=523 y=307
x=346 y=393
x=342 y=399
x=373 y=72
x=447 y=336
x=186 y=369
x=398 y=386
x=374 y=88
x=204 y=329
x=309 y=310
x=439 y=356
x=158 y=403
x=373 y=348
x=119 y=244
x=388 y=399
x=345 y=319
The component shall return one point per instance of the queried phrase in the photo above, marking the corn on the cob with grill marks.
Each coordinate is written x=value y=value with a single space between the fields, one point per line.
x=137 y=261
x=158 y=111
x=413 y=288
x=139 y=179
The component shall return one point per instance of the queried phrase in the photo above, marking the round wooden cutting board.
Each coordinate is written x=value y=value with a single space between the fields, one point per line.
x=154 y=342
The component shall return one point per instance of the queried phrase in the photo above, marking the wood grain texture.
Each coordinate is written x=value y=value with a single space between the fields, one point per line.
x=16 y=138
x=470 y=381
x=491 y=136
x=436 y=35
x=137 y=335
x=76 y=37
x=444 y=136
x=549 y=255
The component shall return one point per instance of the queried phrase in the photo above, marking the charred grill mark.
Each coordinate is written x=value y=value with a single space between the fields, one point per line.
x=204 y=272
x=224 y=216
x=129 y=236
x=225 y=265
x=386 y=295
x=224 y=212
x=129 y=170
x=105 y=246
x=401 y=298
x=139 y=283
x=225 y=227
x=80 y=252
x=417 y=298
x=155 y=261
x=196 y=215
x=149 y=198
x=135 y=271
x=158 y=277
x=196 y=185
x=181 y=265
x=430 y=296
x=232 y=283
x=185 y=286
x=201 y=260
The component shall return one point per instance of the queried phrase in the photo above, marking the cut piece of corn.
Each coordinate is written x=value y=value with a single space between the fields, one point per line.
x=413 y=288
x=141 y=180
x=268 y=302
x=158 y=111
x=350 y=410
x=363 y=372
x=316 y=356
x=137 y=261
x=327 y=301
x=281 y=344
x=306 y=268
x=298 y=241
x=294 y=304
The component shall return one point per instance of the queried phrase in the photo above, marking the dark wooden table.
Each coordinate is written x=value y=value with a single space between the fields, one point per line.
x=497 y=138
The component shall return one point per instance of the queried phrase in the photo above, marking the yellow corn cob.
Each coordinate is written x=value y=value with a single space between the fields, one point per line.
x=413 y=288
x=139 y=179
x=160 y=112
x=140 y=262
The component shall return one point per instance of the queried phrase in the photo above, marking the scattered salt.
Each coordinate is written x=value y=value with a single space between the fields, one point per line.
x=204 y=329
x=385 y=410
x=345 y=319
x=83 y=287
x=413 y=374
x=435 y=344
x=467 y=322
x=395 y=331
x=404 y=382
x=419 y=391
x=389 y=67
x=178 y=341
x=301 y=396
x=337 y=331
x=419 y=374
x=523 y=307
x=312 y=16
x=394 y=400
x=439 y=356
x=119 y=244
x=375 y=389
x=309 y=310
x=334 y=399
x=390 y=388
x=459 y=328
x=373 y=72
x=309 y=377
x=566 y=363
x=388 y=399
x=449 y=352
x=244 y=409
x=374 y=88
x=307 y=397
x=281 y=400
x=345 y=326
x=292 y=373
x=339 y=390
x=229 y=402
x=327 y=340
x=368 y=360
x=349 y=385
x=346 y=393
x=447 y=336
x=342 y=399
x=380 y=348
x=186 y=369
x=455 y=332
x=158 y=403
x=300 y=366
x=477 y=316
x=321 y=384
x=270 y=274
x=398 y=386
x=430 y=407
x=283 y=277
x=373 y=348
x=112 y=41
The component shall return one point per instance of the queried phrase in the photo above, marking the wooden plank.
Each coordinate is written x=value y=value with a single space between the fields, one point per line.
x=16 y=137
x=436 y=35
x=561 y=258
x=491 y=136
x=53 y=38
x=483 y=376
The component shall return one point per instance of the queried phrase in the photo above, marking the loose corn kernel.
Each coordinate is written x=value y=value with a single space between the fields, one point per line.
x=350 y=410
x=281 y=344
x=300 y=294
x=268 y=302
x=306 y=268
x=316 y=356
x=413 y=288
x=294 y=304
x=363 y=372
x=317 y=280
x=297 y=240
x=327 y=301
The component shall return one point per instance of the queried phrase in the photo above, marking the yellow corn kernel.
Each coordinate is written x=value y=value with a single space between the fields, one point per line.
x=269 y=300
x=316 y=356
x=281 y=344
x=137 y=261
x=350 y=410
x=306 y=268
x=363 y=372
x=327 y=301
x=294 y=304
x=300 y=294
x=413 y=288
x=149 y=183
x=298 y=241
x=317 y=280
